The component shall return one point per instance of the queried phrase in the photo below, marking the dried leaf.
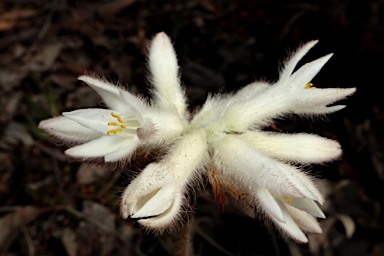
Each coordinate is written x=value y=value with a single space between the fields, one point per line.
x=348 y=223
x=10 y=224
x=69 y=241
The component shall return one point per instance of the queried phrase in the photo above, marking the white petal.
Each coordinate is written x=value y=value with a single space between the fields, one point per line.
x=124 y=151
x=291 y=63
x=315 y=110
x=109 y=92
x=68 y=130
x=308 y=206
x=165 y=75
x=300 y=148
x=165 y=219
x=155 y=203
x=95 y=148
x=311 y=99
x=152 y=178
x=243 y=162
x=93 y=118
x=306 y=222
x=269 y=204
x=137 y=104
x=289 y=227
x=306 y=73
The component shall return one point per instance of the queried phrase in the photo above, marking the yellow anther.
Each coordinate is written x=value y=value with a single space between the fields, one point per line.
x=114 y=131
x=309 y=86
x=289 y=200
x=117 y=117
x=112 y=124
x=123 y=126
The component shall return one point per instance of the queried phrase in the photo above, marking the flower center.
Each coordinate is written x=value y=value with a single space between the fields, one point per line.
x=130 y=124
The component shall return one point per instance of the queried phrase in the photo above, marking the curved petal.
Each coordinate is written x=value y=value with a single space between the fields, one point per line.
x=301 y=148
x=165 y=219
x=109 y=93
x=269 y=204
x=289 y=227
x=308 y=206
x=306 y=222
x=154 y=203
x=291 y=63
x=95 y=148
x=151 y=179
x=68 y=130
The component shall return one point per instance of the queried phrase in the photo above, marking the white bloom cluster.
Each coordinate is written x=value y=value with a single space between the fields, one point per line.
x=224 y=140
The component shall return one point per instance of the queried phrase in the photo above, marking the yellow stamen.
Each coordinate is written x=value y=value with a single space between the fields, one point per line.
x=123 y=126
x=117 y=117
x=114 y=131
x=289 y=200
x=309 y=86
x=112 y=124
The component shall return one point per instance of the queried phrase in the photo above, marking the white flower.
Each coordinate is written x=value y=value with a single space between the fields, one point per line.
x=115 y=133
x=225 y=133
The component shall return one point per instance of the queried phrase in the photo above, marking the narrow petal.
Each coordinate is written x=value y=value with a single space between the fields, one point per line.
x=308 y=206
x=307 y=72
x=269 y=204
x=310 y=99
x=300 y=148
x=165 y=75
x=289 y=227
x=96 y=119
x=68 y=130
x=95 y=148
x=243 y=162
x=315 y=110
x=291 y=63
x=306 y=222
x=108 y=92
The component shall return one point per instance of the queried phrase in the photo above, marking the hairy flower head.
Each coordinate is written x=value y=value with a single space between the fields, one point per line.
x=227 y=133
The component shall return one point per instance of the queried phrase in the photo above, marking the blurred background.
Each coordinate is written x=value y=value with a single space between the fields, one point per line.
x=50 y=205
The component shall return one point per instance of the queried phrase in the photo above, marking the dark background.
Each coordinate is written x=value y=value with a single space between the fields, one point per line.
x=52 y=206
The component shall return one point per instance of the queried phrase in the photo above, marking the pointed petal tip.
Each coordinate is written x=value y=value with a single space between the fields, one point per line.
x=161 y=37
x=310 y=44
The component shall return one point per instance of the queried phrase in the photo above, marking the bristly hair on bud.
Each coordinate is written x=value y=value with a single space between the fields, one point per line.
x=224 y=141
